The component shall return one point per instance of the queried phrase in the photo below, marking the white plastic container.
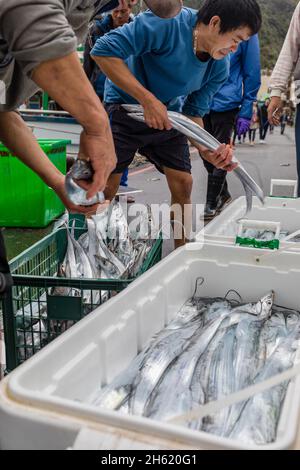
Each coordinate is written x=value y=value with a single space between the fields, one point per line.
x=225 y=227
x=57 y=386
x=291 y=184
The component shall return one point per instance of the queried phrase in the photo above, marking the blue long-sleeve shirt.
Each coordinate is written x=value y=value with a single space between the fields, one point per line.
x=160 y=55
x=240 y=91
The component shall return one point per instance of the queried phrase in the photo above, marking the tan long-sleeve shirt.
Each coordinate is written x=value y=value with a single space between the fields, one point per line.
x=288 y=62
x=34 y=31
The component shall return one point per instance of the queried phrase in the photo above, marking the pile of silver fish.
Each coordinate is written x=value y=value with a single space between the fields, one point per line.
x=212 y=348
x=108 y=250
x=196 y=133
x=268 y=235
x=264 y=235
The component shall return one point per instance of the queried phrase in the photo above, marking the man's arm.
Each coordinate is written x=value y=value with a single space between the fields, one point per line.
x=284 y=68
x=44 y=44
x=251 y=75
x=288 y=57
x=143 y=35
x=19 y=139
x=65 y=81
x=155 y=111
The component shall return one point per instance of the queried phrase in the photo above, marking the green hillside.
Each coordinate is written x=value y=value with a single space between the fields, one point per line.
x=276 y=18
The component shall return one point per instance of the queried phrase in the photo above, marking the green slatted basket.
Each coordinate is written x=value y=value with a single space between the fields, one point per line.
x=25 y=200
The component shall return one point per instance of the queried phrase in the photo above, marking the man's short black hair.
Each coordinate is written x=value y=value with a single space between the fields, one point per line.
x=234 y=14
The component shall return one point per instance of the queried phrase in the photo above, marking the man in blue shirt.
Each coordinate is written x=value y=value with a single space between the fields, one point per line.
x=154 y=62
x=103 y=25
x=100 y=26
x=232 y=105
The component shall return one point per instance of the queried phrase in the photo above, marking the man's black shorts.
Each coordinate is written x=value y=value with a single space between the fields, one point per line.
x=163 y=148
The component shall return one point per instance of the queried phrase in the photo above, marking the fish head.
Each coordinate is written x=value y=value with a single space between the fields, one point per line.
x=292 y=320
x=262 y=308
x=265 y=304
x=81 y=170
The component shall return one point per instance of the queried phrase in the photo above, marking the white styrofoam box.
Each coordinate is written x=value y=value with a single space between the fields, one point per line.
x=292 y=184
x=66 y=376
x=224 y=228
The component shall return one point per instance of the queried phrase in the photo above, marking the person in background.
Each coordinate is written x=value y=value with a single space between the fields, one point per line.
x=288 y=64
x=153 y=63
x=283 y=121
x=231 y=110
x=100 y=26
x=241 y=138
x=254 y=125
x=263 y=121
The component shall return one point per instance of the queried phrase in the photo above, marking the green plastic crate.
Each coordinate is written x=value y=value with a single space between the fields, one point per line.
x=25 y=200
x=33 y=315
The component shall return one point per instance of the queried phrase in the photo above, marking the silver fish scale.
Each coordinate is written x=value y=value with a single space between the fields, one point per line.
x=213 y=347
x=199 y=135
x=259 y=420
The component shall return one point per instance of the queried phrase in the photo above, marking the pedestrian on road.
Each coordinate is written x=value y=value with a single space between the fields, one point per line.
x=254 y=125
x=283 y=122
x=263 y=121
x=100 y=26
x=117 y=18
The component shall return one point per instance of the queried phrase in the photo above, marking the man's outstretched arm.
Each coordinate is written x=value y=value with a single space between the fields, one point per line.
x=65 y=81
x=19 y=139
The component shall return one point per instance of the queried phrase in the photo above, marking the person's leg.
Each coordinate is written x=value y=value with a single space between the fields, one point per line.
x=250 y=136
x=5 y=278
x=207 y=121
x=180 y=184
x=169 y=151
x=126 y=145
x=297 y=131
x=218 y=195
x=234 y=136
x=265 y=131
x=112 y=186
x=124 y=179
x=211 y=196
